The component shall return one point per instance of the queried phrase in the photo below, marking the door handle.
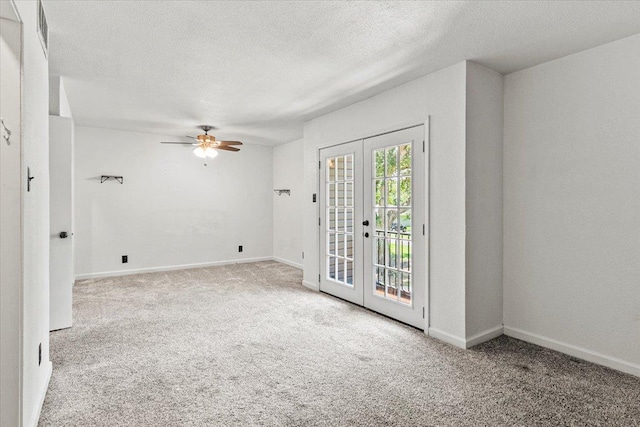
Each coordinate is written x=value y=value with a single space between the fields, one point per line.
x=63 y=234
x=365 y=222
x=366 y=234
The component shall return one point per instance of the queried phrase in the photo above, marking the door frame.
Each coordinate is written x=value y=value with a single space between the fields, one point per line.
x=427 y=211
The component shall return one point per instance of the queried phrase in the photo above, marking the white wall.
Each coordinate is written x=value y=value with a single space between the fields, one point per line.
x=35 y=155
x=572 y=203
x=287 y=210
x=58 y=101
x=171 y=209
x=484 y=202
x=441 y=96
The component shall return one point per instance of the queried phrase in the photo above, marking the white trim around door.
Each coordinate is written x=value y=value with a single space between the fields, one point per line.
x=373 y=223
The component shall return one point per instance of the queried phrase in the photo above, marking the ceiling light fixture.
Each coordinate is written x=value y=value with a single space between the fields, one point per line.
x=205 y=149
x=206 y=145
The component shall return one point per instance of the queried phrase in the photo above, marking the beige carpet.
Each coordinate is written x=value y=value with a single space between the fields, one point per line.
x=247 y=345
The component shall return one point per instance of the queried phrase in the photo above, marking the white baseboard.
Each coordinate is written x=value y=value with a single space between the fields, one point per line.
x=169 y=268
x=572 y=350
x=312 y=286
x=448 y=338
x=291 y=263
x=485 y=336
x=35 y=415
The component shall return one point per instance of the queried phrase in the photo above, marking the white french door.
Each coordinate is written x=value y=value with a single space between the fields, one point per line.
x=372 y=224
x=341 y=238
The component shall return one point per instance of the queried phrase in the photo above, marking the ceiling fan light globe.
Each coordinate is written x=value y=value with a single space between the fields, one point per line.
x=200 y=152
x=210 y=152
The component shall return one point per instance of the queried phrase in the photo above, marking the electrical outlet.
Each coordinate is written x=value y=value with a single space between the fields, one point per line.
x=240 y=248
x=125 y=259
x=39 y=354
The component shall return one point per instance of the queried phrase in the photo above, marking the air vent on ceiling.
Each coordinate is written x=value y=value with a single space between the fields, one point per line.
x=43 y=29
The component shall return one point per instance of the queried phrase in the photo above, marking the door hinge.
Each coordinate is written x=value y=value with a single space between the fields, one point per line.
x=318 y=222
x=319 y=164
x=302 y=255
x=423 y=145
x=318 y=278
x=423 y=312
x=423 y=229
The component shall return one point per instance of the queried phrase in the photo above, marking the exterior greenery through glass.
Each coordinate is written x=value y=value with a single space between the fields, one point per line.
x=392 y=189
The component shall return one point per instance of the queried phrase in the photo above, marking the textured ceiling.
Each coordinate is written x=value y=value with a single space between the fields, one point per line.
x=257 y=70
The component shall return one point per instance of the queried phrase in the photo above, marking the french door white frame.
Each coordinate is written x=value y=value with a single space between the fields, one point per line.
x=352 y=293
x=358 y=228
x=414 y=312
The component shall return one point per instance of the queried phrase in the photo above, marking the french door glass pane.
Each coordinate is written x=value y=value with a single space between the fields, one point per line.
x=392 y=161
x=331 y=223
x=348 y=197
x=392 y=284
x=340 y=220
x=379 y=165
x=349 y=168
x=379 y=279
x=331 y=170
x=380 y=192
x=331 y=194
x=392 y=191
x=340 y=194
x=331 y=242
x=405 y=159
x=339 y=253
x=380 y=252
x=405 y=191
x=405 y=288
x=392 y=224
x=332 y=268
x=392 y=255
x=379 y=214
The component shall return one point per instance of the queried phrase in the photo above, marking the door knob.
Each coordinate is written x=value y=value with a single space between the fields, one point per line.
x=365 y=222
x=366 y=234
x=63 y=234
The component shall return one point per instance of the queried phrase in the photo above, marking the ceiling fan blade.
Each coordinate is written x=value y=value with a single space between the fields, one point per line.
x=191 y=137
x=223 y=147
x=230 y=142
x=175 y=142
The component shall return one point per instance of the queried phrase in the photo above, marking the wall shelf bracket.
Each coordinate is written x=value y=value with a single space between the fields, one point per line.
x=281 y=191
x=104 y=178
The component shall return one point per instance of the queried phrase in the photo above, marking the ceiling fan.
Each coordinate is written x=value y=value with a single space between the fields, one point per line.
x=206 y=145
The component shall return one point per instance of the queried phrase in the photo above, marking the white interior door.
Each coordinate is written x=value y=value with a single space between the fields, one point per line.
x=10 y=217
x=340 y=215
x=61 y=269
x=372 y=224
x=394 y=204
